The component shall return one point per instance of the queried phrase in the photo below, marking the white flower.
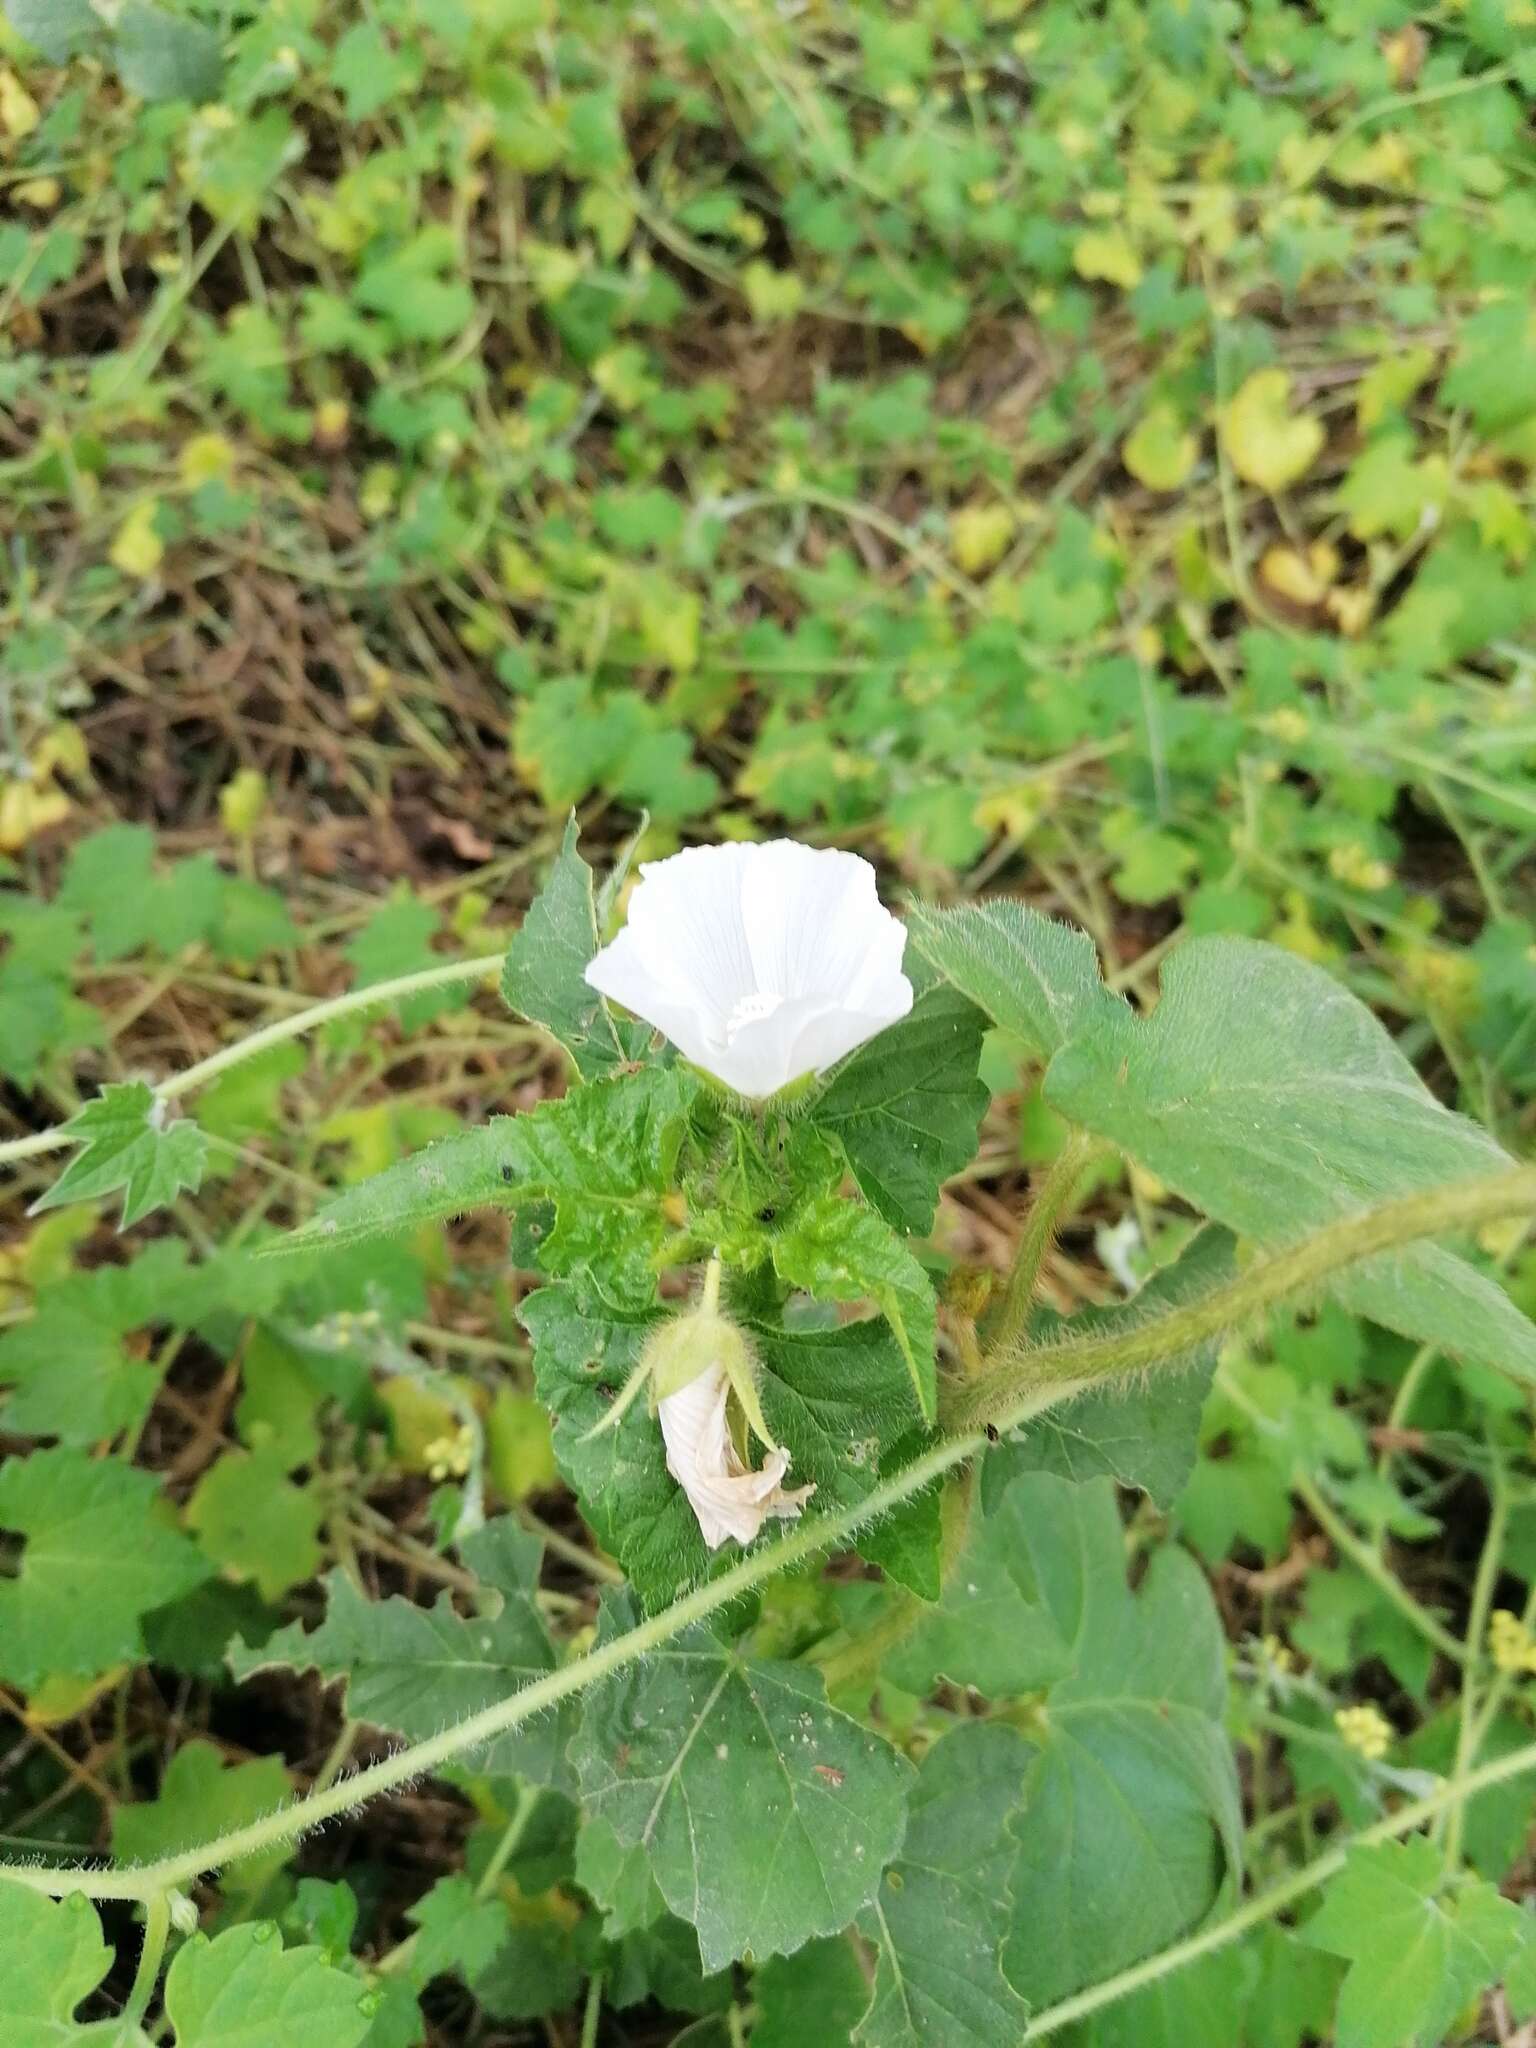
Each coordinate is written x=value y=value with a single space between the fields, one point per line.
x=761 y=963
x=728 y=1498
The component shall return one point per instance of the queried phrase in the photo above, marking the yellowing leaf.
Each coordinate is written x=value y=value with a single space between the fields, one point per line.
x=1388 y=385
x=1304 y=578
x=1159 y=452
x=18 y=110
x=979 y=536
x=27 y=808
x=772 y=294
x=206 y=459
x=1106 y=254
x=138 y=549
x=242 y=801
x=1269 y=444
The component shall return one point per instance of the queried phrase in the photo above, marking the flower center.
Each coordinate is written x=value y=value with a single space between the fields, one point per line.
x=750 y=1010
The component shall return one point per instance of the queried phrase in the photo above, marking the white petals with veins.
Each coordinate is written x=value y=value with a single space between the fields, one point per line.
x=761 y=963
x=727 y=1497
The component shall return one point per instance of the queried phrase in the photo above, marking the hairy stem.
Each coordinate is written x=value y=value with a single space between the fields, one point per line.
x=1045 y=1212
x=1017 y=1392
x=1299 y=1269
x=1452 y=1794
x=157 y=1927
x=294 y=1026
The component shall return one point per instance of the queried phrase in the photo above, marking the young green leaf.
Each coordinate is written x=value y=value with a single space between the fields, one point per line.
x=605 y=1155
x=1419 y=1949
x=71 y=1377
x=98 y=1556
x=256 y=1525
x=1033 y=977
x=243 y=1989
x=767 y=1815
x=200 y=1796
x=544 y=975
x=907 y=1105
x=840 y=1251
x=125 y=1142
x=1265 y=1093
x=412 y=1670
x=55 y=1958
x=941 y=1912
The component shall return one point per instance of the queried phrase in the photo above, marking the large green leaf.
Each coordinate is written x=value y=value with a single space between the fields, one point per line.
x=767 y=1815
x=907 y=1105
x=243 y=1989
x=57 y=30
x=1145 y=1433
x=1264 y=1093
x=1033 y=977
x=841 y=1251
x=941 y=1912
x=544 y=975
x=72 y=1377
x=99 y=1554
x=818 y=1993
x=416 y=1670
x=163 y=56
x=1130 y=1816
x=605 y=1155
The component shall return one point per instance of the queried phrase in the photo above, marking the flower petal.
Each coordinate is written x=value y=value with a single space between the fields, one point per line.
x=726 y=1497
x=761 y=963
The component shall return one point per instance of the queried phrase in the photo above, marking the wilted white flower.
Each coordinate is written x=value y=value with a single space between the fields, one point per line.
x=761 y=963
x=728 y=1498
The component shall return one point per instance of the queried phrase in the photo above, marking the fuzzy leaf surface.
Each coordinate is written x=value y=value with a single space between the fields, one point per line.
x=1263 y=1092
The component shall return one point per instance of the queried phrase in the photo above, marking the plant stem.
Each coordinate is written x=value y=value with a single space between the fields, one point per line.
x=1045 y=1212
x=1361 y=1555
x=421 y=1758
x=506 y=1848
x=294 y=1026
x=1488 y=1564
x=1146 y=1341
x=1017 y=1392
x=157 y=1926
x=1454 y=1792
x=591 y=2018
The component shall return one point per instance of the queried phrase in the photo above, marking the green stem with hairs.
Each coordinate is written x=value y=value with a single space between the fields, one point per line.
x=1014 y=1390
x=284 y=1028
x=157 y=1928
x=1299 y=1269
x=1045 y=1213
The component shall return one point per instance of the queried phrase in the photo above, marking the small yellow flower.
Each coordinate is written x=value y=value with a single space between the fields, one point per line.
x=449 y=1457
x=1510 y=1643
x=1278 y=1658
x=1367 y=1731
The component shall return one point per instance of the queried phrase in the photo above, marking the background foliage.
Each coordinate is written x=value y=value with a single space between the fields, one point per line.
x=1086 y=451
